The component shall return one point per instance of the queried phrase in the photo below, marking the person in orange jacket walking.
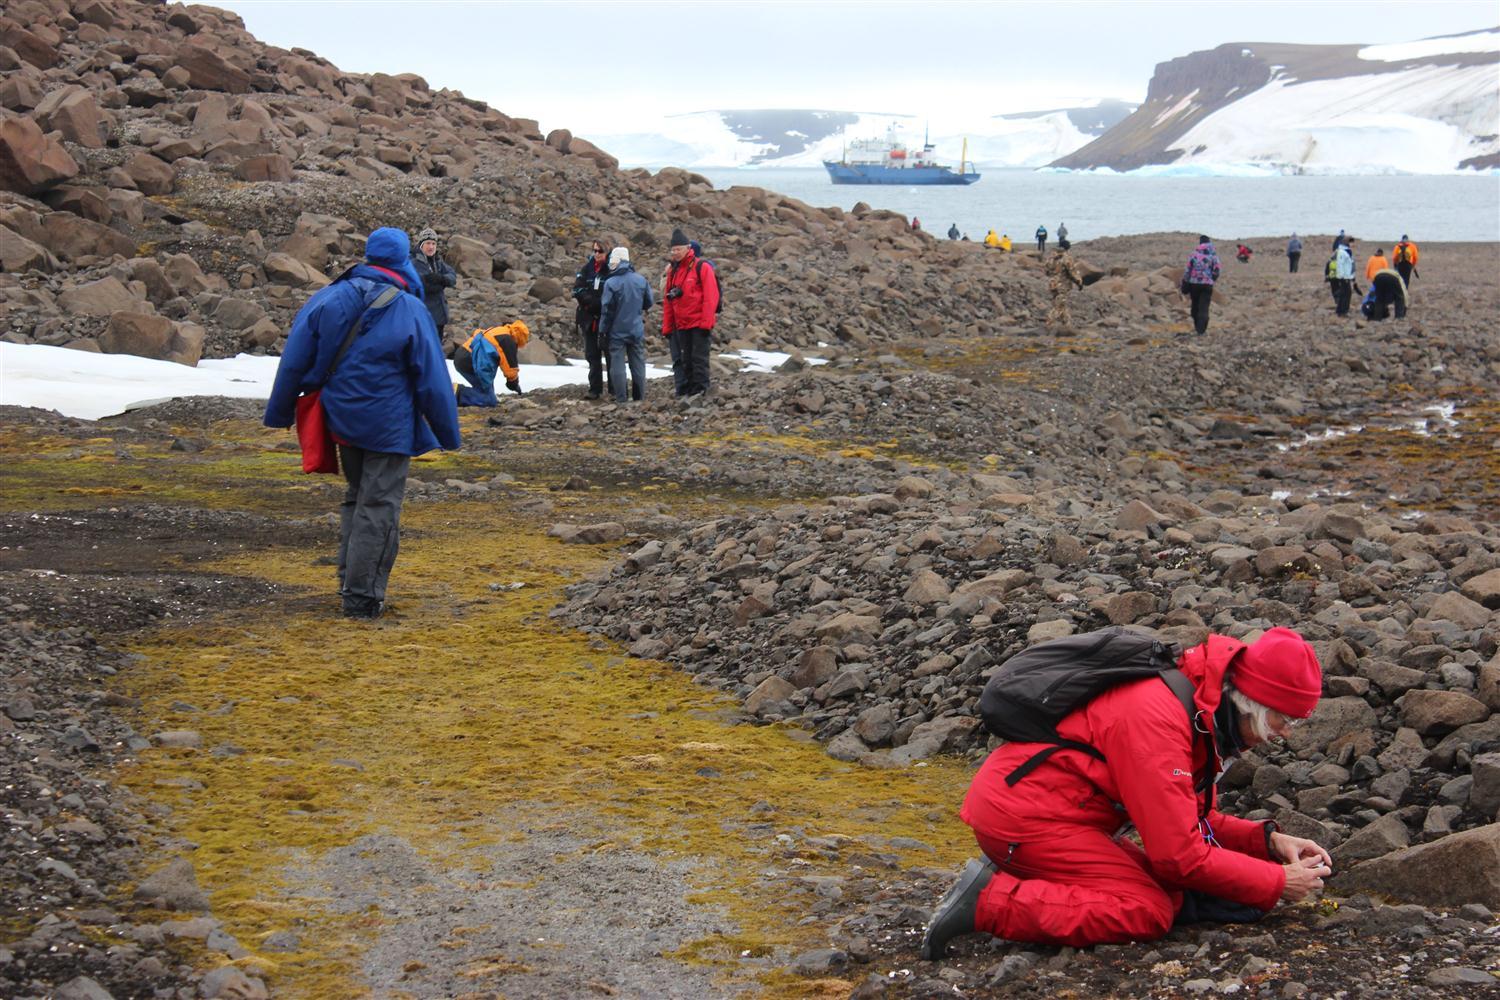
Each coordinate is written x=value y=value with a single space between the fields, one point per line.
x=1375 y=264
x=690 y=306
x=478 y=358
x=1404 y=257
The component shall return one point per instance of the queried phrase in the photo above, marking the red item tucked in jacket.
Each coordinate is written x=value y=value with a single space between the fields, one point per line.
x=697 y=307
x=1151 y=760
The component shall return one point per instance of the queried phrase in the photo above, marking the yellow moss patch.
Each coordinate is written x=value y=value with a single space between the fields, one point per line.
x=465 y=704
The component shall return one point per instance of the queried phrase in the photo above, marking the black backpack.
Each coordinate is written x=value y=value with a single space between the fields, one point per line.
x=1030 y=693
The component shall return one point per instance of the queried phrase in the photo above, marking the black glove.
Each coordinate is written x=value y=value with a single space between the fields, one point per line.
x=514 y=385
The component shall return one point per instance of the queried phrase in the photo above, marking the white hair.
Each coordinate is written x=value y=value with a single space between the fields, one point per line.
x=618 y=256
x=1258 y=714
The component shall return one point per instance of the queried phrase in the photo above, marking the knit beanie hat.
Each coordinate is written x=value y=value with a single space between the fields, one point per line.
x=618 y=256
x=679 y=239
x=427 y=234
x=1279 y=670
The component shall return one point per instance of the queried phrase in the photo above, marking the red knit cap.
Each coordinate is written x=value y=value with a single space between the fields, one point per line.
x=1280 y=670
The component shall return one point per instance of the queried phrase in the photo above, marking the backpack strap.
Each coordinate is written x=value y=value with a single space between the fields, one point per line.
x=1180 y=686
x=380 y=302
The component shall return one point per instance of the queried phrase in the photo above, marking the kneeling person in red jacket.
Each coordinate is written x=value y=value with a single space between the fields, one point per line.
x=1057 y=869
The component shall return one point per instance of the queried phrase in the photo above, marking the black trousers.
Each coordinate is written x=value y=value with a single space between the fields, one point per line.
x=1292 y=260
x=1200 y=297
x=1404 y=268
x=690 y=354
x=1343 y=288
x=595 y=351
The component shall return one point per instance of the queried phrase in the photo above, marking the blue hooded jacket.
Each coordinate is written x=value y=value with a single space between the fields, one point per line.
x=391 y=392
x=627 y=296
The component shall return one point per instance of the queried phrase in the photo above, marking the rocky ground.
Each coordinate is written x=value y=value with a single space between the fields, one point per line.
x=846 y=549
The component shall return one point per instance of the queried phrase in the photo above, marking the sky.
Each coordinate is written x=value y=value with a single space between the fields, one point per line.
x=610 y=67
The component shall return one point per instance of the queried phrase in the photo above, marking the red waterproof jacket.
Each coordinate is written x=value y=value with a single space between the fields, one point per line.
x=697 y=307
x=1147 y=777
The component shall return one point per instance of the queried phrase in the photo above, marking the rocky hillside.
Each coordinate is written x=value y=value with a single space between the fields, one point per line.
x=174 y=188
x=1428 y=106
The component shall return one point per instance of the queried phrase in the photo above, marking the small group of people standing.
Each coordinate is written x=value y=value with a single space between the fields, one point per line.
x=612 y=301
x=1062 y=238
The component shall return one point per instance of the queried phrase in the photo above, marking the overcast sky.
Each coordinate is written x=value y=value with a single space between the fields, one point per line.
x=611 y=67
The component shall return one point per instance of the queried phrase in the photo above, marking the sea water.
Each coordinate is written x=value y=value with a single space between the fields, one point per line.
x=1375 y=208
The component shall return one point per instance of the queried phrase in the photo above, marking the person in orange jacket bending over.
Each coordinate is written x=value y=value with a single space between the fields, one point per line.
x=485 y=351
x=1056 y=870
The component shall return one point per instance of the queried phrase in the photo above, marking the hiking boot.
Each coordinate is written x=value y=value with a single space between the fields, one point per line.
x=361 y=607
x=954 y=915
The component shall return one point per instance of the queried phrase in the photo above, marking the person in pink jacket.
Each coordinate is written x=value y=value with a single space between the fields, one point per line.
x=1058 y=869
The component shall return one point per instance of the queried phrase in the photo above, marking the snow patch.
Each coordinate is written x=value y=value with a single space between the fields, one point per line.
x=1478 y=41
x=1174 y=110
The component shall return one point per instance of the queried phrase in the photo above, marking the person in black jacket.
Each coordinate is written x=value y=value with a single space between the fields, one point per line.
x=436 y=276
x=588 y=288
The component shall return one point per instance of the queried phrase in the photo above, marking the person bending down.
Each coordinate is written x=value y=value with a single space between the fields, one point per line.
x=1056 y=869
x=478 y=358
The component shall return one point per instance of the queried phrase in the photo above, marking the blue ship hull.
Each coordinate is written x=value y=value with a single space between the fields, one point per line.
x=848 y=173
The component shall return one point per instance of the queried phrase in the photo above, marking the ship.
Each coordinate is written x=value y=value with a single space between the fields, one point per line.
x=888 y=161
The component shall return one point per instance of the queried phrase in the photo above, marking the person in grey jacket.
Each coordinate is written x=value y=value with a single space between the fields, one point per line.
x=436 y=276
x=1293 y=253
x=626 y=298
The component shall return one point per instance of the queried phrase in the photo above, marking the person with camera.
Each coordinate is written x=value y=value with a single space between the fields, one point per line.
x=588 y=291
x=689 y=308
x=436 y=275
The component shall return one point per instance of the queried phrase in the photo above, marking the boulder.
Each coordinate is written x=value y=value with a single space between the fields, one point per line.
x=207 y=70
x=546 y=288
x=1484 y=796
x=187 y=344
x=1333 y=718
x=71 y=237
x=238 y=314
x=27 y=44
x=770 y=695
x=996 y=584
x=185 y=275
x=814 y=667
x=17 y=253
x=273 y=167
x=100 y=298
x=1489 y=682
x=470 y=257
x=1458 y=869
x=536 y=352
x=73 y=112
x=1457 y=608
x=31 y=162
x=1129 y=607
x=150 y=174
x=140 y=334
x=926 y=587
x=1386 y=834
x=1433 y=713
x=1484 y=589
x=1137 y=516
x=284 y=269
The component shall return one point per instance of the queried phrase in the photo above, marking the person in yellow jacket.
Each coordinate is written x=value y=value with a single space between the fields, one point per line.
x=1376 y=263
x=486 y=351
x=991 y=240
x=1005 y=243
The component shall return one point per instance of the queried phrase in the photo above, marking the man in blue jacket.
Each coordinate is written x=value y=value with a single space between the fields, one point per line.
x=387 y=399
x=626 y=298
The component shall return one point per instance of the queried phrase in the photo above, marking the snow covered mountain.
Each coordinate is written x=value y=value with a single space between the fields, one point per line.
x=804 y=138
x=1430 y=106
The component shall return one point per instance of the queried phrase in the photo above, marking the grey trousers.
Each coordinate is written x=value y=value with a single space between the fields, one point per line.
x=370 y=531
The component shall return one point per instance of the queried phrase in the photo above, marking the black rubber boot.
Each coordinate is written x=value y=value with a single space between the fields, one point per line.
x=955 y=914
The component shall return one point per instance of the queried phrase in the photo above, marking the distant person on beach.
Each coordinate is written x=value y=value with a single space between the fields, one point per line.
x=991 y=240
x=1242 y=253
x=1198 y=282
x=1337 y=240
x=1376 y=263
x=1041 y=239
x=953 y=233
x=436 y=277
x=1343 y=279
x=1047 y=817
x=1063 y=276
x=484 y=355
x=1005 y=245
x=1293 y=253
x=916 y=223
x=1062 y=231
x=623 y=306
x=1404 y=256
x=690 y=305
x=1387 y=293
x=388 y=398
x=588 y=287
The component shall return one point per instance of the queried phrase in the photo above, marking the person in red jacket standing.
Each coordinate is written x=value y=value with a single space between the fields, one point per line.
x=689 y=307
x=1057 y=868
